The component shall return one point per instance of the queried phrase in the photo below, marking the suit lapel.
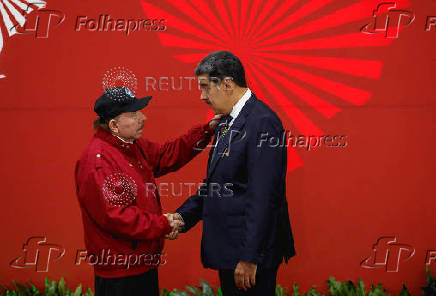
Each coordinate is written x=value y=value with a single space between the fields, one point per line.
x=234 y=130
x=211 y=153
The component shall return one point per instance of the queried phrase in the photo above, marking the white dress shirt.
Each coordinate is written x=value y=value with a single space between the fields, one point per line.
x=238 y=106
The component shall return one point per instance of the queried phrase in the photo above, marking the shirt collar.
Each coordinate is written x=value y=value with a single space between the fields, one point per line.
x=239 y=105
x=128 y=148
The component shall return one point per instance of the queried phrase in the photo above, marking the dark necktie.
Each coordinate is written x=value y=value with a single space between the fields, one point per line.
x=222 y=128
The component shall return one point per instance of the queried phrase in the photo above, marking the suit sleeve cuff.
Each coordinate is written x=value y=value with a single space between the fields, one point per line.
x=250 y=255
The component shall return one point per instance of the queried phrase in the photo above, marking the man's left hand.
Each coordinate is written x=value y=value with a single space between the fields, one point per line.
x=245 y=275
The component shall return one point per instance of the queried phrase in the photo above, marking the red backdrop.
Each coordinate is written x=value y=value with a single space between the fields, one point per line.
x=314 y=62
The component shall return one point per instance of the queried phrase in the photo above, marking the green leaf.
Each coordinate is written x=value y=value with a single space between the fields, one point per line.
x=404 y=291
x=295 y=292
x=280 y=291
x=193 y=290
x=220 y=293
x=360 y=289
x=78 y=290
x=430 y=289
x=206 y=289
x=177 y=292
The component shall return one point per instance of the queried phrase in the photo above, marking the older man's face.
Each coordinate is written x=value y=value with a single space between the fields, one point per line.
x=214 y=94
x=129 y=125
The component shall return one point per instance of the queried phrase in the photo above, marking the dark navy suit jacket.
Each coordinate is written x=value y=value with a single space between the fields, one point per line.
x=243 y=202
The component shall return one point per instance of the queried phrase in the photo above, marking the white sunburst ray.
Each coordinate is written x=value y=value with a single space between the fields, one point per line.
x=22 y=6
x=7 y=22
x=19 y=18
x=38 y=3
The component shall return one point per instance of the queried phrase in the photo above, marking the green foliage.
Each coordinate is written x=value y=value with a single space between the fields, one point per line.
x=280 y=291
x=404 y=291
x=346 y=288
x=430 y=289
x=336 y=288
x=52 y=288
x=203 y=290
x=296 y=292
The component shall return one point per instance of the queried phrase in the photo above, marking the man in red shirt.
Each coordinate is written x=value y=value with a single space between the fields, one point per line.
x=122 y=217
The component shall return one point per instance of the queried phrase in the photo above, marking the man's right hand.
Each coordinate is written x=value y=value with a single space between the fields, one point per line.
x=176 y=223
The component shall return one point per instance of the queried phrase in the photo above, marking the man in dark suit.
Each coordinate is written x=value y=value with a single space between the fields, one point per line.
x=246 y=234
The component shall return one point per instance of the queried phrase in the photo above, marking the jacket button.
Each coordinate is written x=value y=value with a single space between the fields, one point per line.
x=131 y=165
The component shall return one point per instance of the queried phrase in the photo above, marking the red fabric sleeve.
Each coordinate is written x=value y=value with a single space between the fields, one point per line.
x=174 y=154
x=119 y=216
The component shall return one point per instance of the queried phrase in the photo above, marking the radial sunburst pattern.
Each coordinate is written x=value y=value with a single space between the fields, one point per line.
x=13 y=14
x=287 y=48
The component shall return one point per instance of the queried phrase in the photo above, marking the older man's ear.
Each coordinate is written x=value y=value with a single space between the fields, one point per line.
x=113 y=125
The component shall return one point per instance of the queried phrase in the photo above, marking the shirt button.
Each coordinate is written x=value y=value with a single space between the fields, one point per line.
x=98 y=155
x=131 y=165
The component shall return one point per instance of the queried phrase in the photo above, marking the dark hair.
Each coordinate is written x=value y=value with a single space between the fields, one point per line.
x=103 y=124
x=222 y=64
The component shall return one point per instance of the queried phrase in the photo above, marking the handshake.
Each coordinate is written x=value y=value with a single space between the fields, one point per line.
x=176 y=222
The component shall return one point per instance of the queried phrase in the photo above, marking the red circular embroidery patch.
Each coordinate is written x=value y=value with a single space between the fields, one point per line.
x=119 y=189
